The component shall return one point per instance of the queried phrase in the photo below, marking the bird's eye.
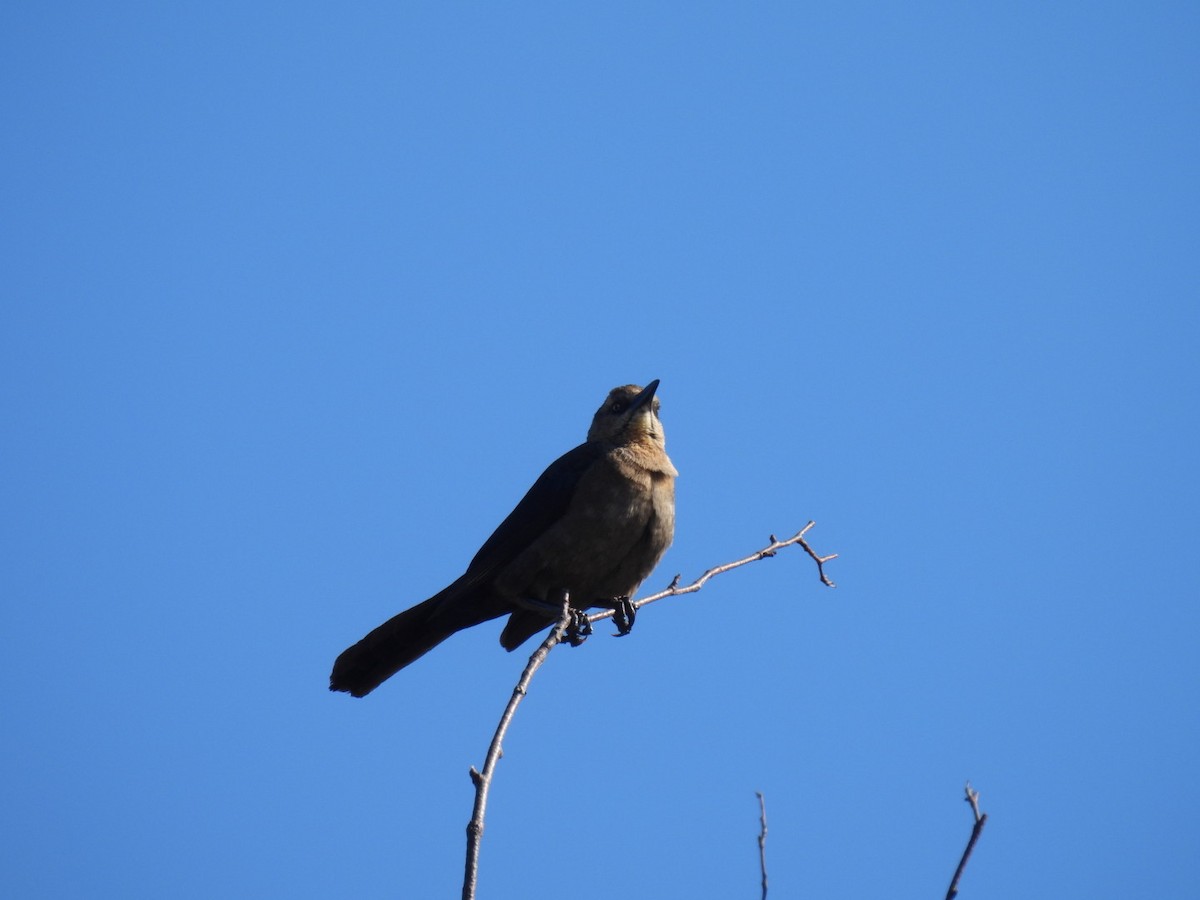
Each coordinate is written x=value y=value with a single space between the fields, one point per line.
x=618 y=406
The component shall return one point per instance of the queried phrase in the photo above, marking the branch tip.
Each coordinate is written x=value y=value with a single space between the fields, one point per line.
x=483 y=779
x=972 y=797
x=762 y=840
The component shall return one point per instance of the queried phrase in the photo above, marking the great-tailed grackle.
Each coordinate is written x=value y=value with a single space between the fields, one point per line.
x=593 y=525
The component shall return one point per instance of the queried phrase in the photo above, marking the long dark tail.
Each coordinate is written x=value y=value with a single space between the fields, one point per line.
x=405 y=638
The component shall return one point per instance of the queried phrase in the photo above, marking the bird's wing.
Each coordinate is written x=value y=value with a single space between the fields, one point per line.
x=543 y=505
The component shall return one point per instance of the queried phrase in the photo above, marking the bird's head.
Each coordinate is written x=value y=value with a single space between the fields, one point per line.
x=628 y=414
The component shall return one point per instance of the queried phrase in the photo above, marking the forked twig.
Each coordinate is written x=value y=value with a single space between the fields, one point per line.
x=483 y=779
x=770 y=550
x=980 y=820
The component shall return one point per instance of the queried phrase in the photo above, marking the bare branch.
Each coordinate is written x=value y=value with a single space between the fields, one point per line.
x=980 y=821
x=771 y=549
x=762 y=842
x=483 y=780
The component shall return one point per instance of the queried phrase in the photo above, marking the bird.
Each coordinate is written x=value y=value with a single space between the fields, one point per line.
x=591 y=528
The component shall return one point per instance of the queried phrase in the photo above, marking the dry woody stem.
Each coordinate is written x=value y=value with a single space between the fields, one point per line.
x=980 y=821
x=770 y=550
x=482 y=779
x=762 y=841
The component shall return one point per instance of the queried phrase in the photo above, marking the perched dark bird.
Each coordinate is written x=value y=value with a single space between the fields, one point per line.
x=593 y=525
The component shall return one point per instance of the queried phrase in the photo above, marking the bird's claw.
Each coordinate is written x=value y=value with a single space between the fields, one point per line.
x=579 y=628
x=624 y=612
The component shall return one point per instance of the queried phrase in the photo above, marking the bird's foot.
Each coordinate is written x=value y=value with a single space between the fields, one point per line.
x=624 y=612
x=578 y=629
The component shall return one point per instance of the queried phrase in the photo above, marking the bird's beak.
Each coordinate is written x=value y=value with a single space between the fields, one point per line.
x=644 y=397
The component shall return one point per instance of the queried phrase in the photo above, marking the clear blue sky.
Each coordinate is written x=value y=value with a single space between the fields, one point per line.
x=299 y=299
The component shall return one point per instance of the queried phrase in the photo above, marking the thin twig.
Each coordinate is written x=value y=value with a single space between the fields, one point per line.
x=980 y=820
x=770 y=550
x=762 y=842
x=483 y=780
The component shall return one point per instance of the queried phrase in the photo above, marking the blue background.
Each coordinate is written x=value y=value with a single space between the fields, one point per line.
x=298 y=299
